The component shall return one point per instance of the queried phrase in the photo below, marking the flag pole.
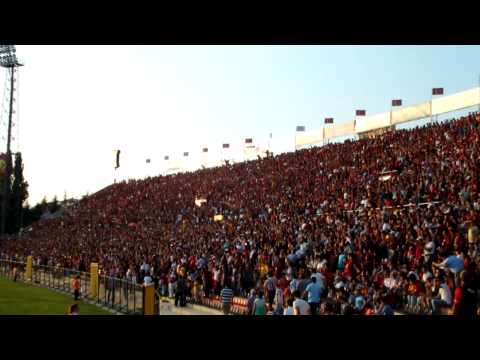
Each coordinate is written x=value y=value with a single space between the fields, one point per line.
x=431 y=108
x=391 y=114
x=269 y=141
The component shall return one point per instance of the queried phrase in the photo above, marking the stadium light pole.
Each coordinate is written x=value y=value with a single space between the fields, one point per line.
x=8 y=60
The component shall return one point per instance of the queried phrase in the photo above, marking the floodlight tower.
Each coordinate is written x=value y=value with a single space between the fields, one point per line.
x=9 y=61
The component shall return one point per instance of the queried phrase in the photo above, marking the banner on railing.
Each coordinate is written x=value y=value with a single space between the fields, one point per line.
x=445 y=104
x=411 y=113
x=338 y=130
x=309 y=138
x=457 y=101
x=373 y=122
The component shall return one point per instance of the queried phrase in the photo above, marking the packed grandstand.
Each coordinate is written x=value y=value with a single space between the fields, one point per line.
x=383 y=225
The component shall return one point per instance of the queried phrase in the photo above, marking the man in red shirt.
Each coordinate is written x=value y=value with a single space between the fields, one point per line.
x=282 y=282
x=76 y=287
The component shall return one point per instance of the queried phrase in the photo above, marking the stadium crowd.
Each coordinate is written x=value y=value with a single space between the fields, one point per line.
x=371 y=226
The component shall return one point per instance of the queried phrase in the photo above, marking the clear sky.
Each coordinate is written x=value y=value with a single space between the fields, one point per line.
x=79 y=103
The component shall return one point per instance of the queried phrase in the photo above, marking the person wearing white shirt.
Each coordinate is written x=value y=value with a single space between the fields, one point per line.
x=390 y=281
x=386 y=227
x=278 y=302
x=289 y=273
x=320 y=278
x=426 y=276
x=429 y=250
x=444 y=298
x=300 y=306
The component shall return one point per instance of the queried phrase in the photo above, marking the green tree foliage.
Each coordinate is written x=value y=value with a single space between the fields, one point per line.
x=19 y=213
x=19 y=194
x=54 y=206
x=6 y=182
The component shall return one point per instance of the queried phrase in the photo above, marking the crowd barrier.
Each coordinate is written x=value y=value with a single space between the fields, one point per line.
x=119 y=295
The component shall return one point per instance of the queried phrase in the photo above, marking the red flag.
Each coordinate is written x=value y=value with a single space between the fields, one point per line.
x=397 y=102
x=360 y=113
x=226 y=146
x=205 y=149
x=437 y=91
x=328 y=120
x=248 y=141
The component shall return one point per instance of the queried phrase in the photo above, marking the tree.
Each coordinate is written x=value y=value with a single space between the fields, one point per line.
x=33 y=214
x=6 y=191
x=54 y=207
x=44 y=204
x=19 y=194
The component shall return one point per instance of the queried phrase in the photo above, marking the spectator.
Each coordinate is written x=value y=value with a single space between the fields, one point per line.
x=147 y=279
x=384 y=308
x=111 y=287
x=300 y=306
x=250 y=301
x=259 y=306
x=180 y=290
x=453 y=263
x=444 y=297
x=73 y=310
x=172 y=286
x=76 y=287
x=270 y=286
x=413 y=293
x=227 y=298
x=314 y=292
x=289 y=309
x=279 y=301
x=465 y=299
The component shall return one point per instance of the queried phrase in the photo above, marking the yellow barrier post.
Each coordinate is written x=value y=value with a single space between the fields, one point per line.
x=28 y=272
x=149 y=300
x=93 y=280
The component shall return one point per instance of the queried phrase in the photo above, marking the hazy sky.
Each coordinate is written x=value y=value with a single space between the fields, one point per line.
x=79 y=103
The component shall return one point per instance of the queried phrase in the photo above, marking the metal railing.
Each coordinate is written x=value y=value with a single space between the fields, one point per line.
x=14 y=270
x=120 y=295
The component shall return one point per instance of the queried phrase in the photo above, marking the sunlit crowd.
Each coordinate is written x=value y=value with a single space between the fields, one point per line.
x=372 y=227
